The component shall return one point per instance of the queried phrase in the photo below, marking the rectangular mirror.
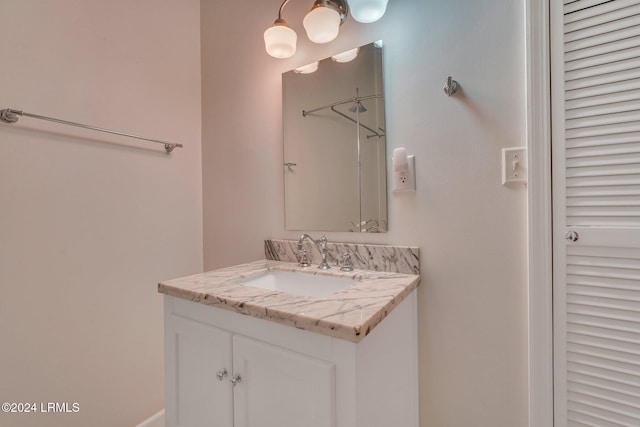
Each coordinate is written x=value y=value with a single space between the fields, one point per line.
x=335 y=145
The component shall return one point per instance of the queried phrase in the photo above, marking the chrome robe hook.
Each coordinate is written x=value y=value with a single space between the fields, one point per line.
x=451 y=86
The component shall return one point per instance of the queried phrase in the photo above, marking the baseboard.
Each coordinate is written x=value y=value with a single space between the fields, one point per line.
x=156 y=420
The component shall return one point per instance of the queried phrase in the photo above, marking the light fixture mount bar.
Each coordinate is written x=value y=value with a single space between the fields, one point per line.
x=280 y=12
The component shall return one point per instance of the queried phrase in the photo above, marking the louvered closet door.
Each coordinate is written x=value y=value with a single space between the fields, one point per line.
x=596 y=165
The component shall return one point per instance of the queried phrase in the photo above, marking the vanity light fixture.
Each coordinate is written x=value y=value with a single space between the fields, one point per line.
x=347 y=56
x=322 y=23
x=307 y=69
x=367 y=11
x=280 y=40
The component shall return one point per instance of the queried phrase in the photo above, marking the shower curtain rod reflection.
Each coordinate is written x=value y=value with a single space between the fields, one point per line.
x=355 y=100
x=375 y=134
x=345 y=101
x=9 y=115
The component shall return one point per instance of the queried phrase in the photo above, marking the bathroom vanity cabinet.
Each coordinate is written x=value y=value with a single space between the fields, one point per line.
x=240 y=355
x=225 y=369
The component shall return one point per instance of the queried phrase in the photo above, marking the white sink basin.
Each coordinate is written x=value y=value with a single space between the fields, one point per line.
x=310 y=285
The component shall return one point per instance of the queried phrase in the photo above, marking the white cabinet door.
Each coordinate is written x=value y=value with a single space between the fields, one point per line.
x=280 y=388
x=596 y=177
x=195 y=354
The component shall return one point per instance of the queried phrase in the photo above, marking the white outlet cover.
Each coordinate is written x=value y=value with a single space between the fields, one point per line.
x=405 y=180
x=514 y=165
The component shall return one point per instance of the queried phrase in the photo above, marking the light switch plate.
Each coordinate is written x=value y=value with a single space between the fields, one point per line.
x=514 y=165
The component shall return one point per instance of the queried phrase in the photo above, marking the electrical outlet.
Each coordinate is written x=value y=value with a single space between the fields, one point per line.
x=514 y=165
x=405 y=180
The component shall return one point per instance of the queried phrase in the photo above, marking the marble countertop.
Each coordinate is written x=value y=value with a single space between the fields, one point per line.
x=349 y=314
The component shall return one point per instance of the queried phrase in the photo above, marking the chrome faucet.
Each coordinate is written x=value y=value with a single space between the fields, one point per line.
x=302 y=253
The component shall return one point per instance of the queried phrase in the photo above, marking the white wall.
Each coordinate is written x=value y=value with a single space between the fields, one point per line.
x=471 y=230
x=88 y=228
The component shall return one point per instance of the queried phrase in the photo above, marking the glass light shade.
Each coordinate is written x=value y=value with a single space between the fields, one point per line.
x=347 y=56
x=280 y=41
x=367 y=11
x=322 y=24
x=307 y=69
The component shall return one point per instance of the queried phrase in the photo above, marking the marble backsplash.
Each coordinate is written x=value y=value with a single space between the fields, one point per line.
x=394 y=259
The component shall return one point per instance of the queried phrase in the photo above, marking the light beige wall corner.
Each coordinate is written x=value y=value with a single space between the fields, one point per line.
x=88 y=228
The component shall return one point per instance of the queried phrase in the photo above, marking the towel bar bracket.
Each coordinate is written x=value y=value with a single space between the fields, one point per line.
x=9 y=116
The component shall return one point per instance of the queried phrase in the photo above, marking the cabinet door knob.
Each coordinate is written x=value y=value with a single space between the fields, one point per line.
x=571 y=236
x=235 y=379
x=222 y=373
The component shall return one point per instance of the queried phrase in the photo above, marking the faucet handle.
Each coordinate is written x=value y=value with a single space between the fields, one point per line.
x=345 y=262
x=303 y=258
